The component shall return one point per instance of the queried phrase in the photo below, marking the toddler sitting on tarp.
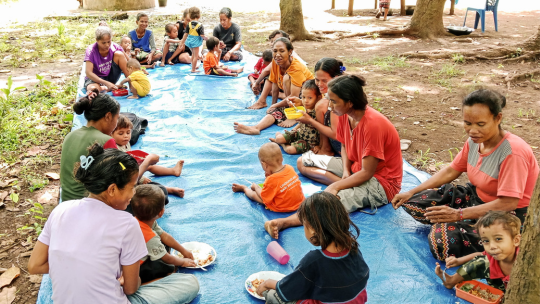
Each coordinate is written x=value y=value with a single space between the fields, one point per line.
x=148 y=205
x=139 y=84
x=282 y=190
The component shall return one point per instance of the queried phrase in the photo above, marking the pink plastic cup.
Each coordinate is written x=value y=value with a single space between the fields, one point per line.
x=278 y=253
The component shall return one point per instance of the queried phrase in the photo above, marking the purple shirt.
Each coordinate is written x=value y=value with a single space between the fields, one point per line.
x=102 y=65
x=89 y=242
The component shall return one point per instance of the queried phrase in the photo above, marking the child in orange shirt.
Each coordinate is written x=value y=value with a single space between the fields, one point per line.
x=282 y=190
x=211 y=63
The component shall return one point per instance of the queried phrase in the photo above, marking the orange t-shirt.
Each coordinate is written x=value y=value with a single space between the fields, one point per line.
x=210 y=62
x=147 y=232
x=298 y=72
x=282 y=191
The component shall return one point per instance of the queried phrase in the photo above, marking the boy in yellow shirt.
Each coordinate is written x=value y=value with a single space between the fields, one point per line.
x=139 y=84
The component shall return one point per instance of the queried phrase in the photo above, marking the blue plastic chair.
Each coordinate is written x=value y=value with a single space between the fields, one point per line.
x=491 y=5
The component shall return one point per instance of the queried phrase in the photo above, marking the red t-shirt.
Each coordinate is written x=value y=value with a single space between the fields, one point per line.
x=510 y=169
x=374 y=136
x=495 y=271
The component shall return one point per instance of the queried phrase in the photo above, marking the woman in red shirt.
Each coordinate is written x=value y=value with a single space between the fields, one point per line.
x=370 y=169
x=502 y=170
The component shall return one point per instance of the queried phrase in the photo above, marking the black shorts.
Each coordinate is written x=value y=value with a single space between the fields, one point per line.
x=114 y=75
x=169 y=55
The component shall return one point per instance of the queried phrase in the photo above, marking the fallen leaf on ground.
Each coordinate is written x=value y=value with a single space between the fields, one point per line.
x=34 y=151
x=3 y=195
x=8 y=295
x=45 y=198
x=455 y=108
x=7 y=277
x=53 y=175
x=3 y=184
x=2 y=270
x=35 y=278
x=12 y=209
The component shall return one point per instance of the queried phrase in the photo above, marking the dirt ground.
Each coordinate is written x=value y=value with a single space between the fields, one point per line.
x=421 y=97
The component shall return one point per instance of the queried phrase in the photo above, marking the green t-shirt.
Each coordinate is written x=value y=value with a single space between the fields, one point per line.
x=75 y=145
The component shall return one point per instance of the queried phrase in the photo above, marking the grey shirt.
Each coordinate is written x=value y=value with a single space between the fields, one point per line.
x=229 y=36
x=156 y=249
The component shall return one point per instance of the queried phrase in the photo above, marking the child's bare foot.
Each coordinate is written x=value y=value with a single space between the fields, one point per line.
x=287 y=123
x=238 y=188
x=178 y=168
x=133 y=97
x=240 y=70
x=444 y=277
x=272 y=139
x=243 y=129
x=170 y=62
x=176 y=191
x=273 y=227
x=153 y=65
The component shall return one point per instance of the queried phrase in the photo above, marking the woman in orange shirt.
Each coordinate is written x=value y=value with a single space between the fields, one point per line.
x=287 y=73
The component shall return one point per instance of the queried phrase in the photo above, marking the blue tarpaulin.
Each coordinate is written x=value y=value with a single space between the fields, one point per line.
x=191 y=118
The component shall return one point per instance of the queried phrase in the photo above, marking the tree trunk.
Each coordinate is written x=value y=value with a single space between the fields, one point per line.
x=524 y=286
x=351 y=4
x=333 y=4
x=533 y=42
x=376 y=4
x=452 y=7
x=403 y=8
x=292 y=19
x=427 y=20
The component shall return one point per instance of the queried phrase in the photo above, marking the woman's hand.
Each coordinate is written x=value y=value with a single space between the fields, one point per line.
x=346 y=174
x=146 y=180
x=111 y=86
x=332 y=190
x=442 y=214
x=149 y=59
x=227 y=56
x=316 y=149
x=262 y=288
x=401 y=198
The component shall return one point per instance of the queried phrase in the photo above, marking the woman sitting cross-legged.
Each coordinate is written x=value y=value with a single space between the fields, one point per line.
x=370 y=169
x=287 y=73
x=501 y=167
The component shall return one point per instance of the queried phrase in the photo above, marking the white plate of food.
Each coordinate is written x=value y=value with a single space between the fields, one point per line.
x=203 y=254
x=255 y=279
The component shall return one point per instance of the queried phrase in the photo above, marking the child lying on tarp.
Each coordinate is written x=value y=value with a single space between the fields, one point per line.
x=122 y=135
x=499 y=231
x=148 y=205
x=282 y=190
x=336 y=273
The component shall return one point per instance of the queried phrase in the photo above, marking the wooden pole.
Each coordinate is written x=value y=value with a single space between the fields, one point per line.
x=403 y=8
x=351 y=3
x=452 y=7
x=333 y=4
x=376 y=4
x=524 y=286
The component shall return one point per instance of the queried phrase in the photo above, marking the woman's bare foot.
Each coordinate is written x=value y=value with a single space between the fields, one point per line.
x=238 y=188
x=258 y=105
x=273 y=227
x=133 y=97
x=170 y=62
x=176 y=191
x=287 y=123
x=243 y=129
x=178 y=168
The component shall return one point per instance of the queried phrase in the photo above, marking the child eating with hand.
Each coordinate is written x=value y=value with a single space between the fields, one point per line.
x=211 y=63
x=499 y=232
x=139 y=84
x=282 y=190
x=125 y=43
x=303 y=137
x=148 y=205
x=263 y=62
x=122 y=135
x=336 y=273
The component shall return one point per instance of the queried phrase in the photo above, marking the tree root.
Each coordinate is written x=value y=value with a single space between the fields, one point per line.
x=520 y=77
x=506 y=54
x=390 y=32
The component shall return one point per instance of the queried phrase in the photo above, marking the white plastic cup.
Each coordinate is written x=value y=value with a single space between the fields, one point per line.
x=278 y=253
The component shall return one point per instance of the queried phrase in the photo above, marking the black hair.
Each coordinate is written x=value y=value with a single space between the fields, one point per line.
x=226 y=11
x=211 y=43
x=330 y=65
x=147 y=202
x=186 y=13
x=140 y=15
x=109 y=166
x=267 y=55
x=510 y=222
x=169 y=27
x=194 y=12
x=98 y=107
x=311 y=85
x=494 y=100
x=274 y=33
x=350 y=88
x=286 y=41
x=325 y=213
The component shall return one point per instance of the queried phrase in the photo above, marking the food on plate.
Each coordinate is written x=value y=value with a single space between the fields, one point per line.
x=256 y=283
x=208 y=260
x=480 y=293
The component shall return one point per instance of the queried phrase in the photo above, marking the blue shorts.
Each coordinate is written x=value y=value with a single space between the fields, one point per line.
x=194 y=41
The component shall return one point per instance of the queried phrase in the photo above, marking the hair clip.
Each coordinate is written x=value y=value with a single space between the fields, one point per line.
x=122 y=165
x=86 y=161
x=342 y=69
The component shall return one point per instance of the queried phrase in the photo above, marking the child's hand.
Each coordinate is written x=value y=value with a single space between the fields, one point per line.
x=146 y=180
x=271 y=109
x=316 y=149
x=187 y=263
x=452 y=261
x=262 y=288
